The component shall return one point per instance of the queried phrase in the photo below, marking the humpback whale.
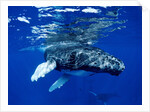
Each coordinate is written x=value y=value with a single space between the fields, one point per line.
x=104 y=97
x=78 y=60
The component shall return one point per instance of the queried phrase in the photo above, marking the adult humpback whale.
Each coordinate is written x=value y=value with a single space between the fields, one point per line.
x=78 y=60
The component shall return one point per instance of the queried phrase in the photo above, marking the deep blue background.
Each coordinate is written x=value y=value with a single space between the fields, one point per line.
x=126 y=44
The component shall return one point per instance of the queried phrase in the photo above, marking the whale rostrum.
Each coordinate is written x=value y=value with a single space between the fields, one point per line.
x=78 y=60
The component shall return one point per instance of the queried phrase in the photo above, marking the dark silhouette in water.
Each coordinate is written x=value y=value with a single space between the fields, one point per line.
x=76 y=59
x=104 y=97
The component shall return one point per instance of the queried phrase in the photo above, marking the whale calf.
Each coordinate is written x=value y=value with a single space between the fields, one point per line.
x=77 y=60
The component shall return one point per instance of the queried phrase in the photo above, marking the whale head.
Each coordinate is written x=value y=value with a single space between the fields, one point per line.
x=106 y=63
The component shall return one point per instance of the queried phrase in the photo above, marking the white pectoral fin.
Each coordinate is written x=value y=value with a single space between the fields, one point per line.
x=43 y=69
x=62 y=80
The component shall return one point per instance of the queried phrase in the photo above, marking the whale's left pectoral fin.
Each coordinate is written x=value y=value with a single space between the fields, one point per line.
x=62 y=80
x=43 y=69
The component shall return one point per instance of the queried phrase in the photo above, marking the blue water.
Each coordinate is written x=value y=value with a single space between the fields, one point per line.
x=123 y=40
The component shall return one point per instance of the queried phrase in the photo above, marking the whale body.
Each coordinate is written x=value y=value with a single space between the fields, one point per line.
x=78 y=60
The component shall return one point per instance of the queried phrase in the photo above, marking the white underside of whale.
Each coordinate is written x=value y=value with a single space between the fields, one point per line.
x=80 y=73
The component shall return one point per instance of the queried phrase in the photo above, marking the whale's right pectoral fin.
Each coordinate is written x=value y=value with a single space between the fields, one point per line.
x=57 y=84
x=43 y=69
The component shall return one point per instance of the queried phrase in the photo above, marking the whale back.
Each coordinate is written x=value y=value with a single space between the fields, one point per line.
x=84 y=57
